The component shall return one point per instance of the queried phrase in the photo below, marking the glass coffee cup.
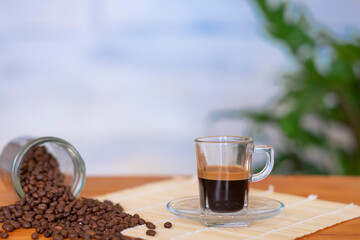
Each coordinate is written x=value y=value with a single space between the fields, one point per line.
x=224 y=172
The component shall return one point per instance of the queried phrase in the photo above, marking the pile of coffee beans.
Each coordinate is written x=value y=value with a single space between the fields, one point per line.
x=51 y=209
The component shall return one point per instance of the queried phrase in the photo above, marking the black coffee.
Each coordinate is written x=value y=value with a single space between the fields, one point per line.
x=223 y=189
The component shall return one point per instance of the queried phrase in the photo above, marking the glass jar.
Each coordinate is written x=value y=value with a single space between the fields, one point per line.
x=70 y=162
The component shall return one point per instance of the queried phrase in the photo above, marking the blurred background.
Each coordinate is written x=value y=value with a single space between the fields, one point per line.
x=131 y=83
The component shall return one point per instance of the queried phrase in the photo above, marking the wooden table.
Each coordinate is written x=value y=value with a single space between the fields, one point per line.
x=333 y=188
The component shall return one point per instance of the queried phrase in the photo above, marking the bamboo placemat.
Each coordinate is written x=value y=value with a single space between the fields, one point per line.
x=301 y=216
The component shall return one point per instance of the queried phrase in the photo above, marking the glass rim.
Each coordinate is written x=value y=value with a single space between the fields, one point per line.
x=224 y=139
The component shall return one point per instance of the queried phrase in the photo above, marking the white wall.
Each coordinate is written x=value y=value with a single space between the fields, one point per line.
x=132 y=83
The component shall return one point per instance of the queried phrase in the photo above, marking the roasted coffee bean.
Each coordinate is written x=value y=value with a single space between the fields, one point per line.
x=64 y=233
x=90 y=232
x=19 y=213
x=73 y=235
x=67 y=209
x=58 y=227
x=82 y=211
x=4 y=235
x=50 y=217
x=26 y=188
x=48 y=233
x=26 y=208
x=28 y=218
x=85 y=236
x=26 y=225
x=58 y=237
x=98 y=237
x=40 y=230
x=8 y=227
x=79 y=204
x=35 y=236
x=39 y=177
x=55 y=231
x=106 y=237
x=141 y=221
x=150 y=225
x=150 y=232
x=168 y=225
x=34 y=195
x=45 y=200
x=44 y=224
x=42 y=206
x=16 y=224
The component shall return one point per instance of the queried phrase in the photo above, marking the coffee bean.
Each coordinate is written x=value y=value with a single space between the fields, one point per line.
x=79 y=204
x=168 y=225
x=35 y=236
x=45 y=200
x=48 y=233
x=4 y=235
x=106 y=237
x=40 y=230
x=150 y=225
x=28 y=218
x=58 y=237
x=82 y=211
x=85 y=227
x=50 y=217
x=73 y=235
x=97 y=236
x=26 y=188
x=64 y=233
x=141 y=221
x=90 y=232
x=34 y=195
x=16 y=224
x=39 y=177
x=150 y=232
x=86 y=237
x=26 y=208
x=42 y=206
x=19 y=213
x=44 y=224
x=40 y=184
x=50 y=210
x=8 y=227
x=26 y=225
x=67 y=209
x=58 y=227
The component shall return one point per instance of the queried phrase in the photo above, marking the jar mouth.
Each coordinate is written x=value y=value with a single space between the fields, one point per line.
x=224 y=139
x=78 y=180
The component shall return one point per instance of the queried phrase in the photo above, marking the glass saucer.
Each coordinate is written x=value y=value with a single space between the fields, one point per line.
x=258 y=208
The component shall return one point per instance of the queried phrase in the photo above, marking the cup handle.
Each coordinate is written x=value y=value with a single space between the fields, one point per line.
x=269 y=151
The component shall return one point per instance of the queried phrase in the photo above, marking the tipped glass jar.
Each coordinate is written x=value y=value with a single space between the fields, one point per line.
x=70 y=162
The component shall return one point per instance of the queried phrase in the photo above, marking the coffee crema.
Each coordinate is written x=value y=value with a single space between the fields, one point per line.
x=223 y=188
x=229 y=173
